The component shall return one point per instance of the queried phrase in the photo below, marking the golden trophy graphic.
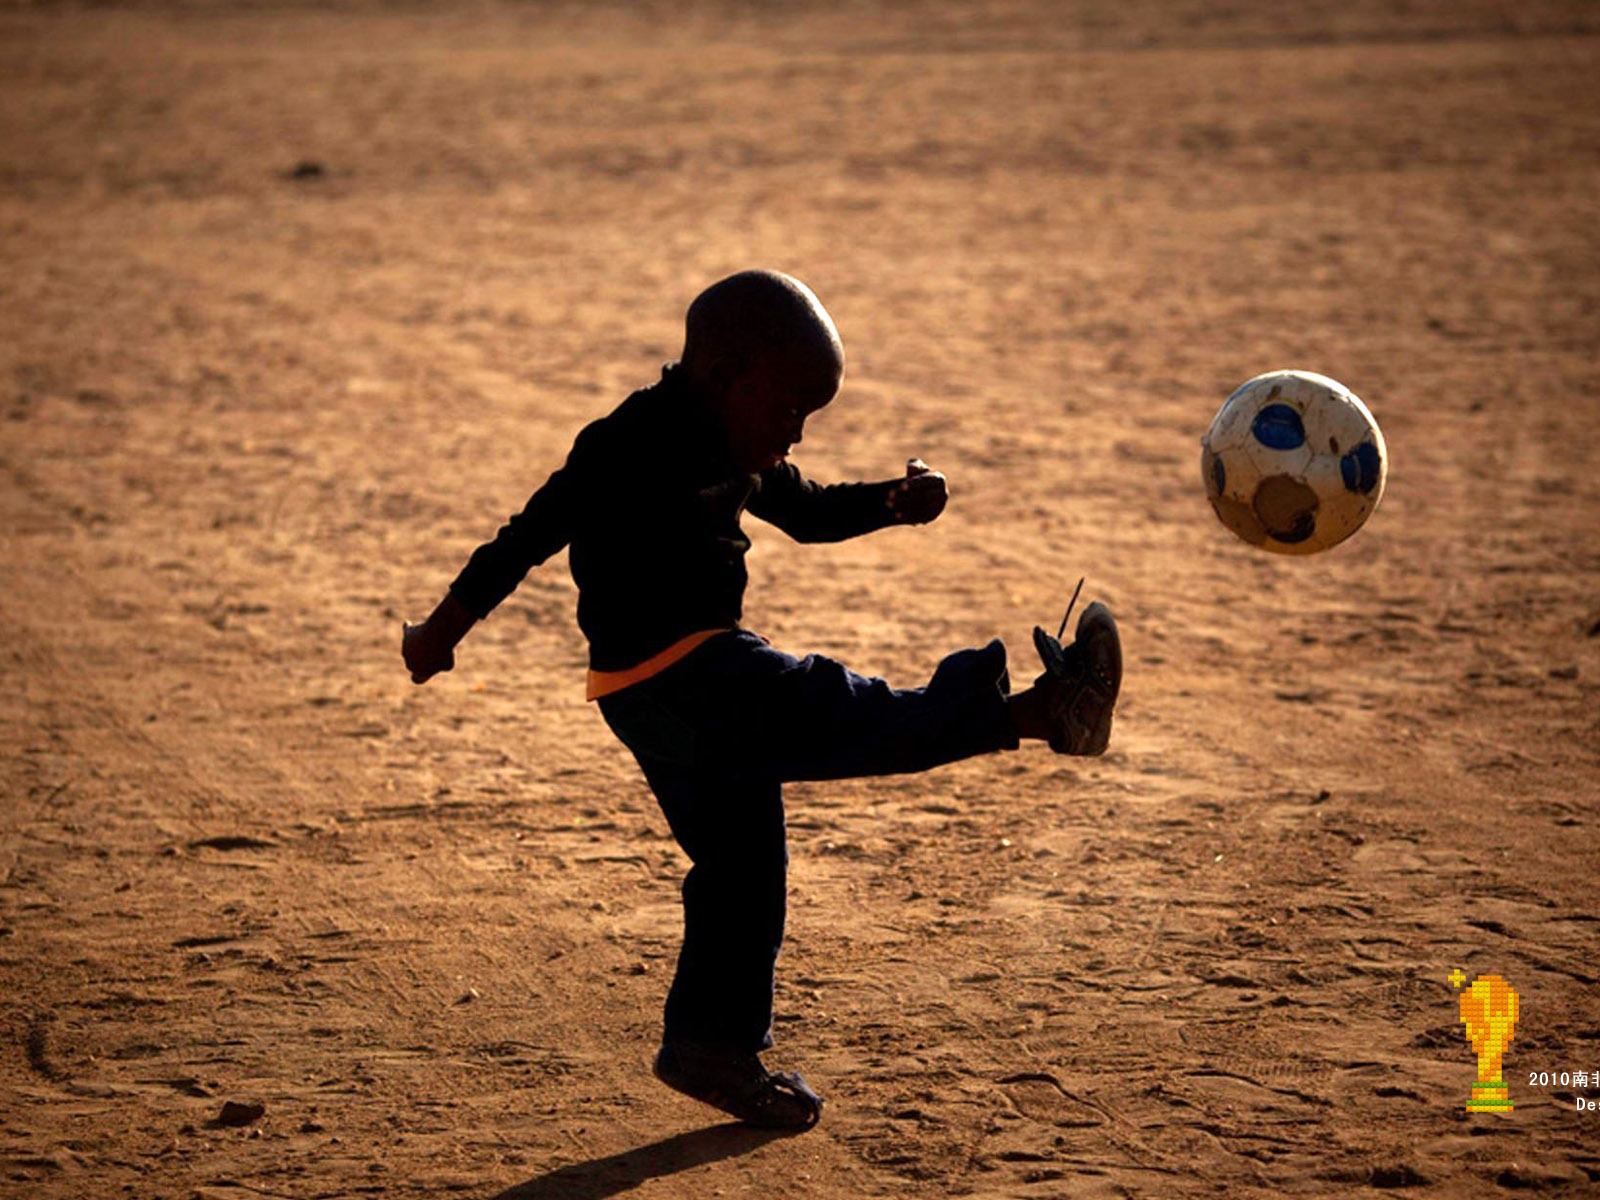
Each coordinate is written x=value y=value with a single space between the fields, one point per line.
x=1489 y=1011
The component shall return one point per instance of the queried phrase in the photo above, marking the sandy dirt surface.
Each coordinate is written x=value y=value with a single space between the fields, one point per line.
x=251 y=417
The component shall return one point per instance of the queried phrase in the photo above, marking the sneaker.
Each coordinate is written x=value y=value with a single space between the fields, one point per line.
x=1081 y=682
x=739 y=1085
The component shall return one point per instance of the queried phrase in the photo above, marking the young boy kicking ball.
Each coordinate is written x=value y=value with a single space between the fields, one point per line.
x=650 y=501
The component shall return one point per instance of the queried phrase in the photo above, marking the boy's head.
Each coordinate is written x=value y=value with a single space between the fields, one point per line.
x=764 y=354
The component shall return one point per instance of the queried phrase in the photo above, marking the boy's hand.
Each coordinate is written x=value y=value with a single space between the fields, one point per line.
x=425 y=656
x=920 y=496
x=430 y=647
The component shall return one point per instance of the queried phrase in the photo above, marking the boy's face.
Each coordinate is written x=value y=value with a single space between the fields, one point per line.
x=769 y=401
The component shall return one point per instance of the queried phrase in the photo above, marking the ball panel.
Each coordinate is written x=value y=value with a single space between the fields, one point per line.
x=1230 y=424
x=1279 y=427
x=1287 y=509
x=1360 y=468
x=1241 y=473
x=1241 y=518
x=1214 y=472
x=1277 y=462
x=1337 y=421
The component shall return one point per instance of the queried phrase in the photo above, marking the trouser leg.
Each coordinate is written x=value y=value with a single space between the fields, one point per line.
x=732 y=829
x=813 y=718
x=835 y=724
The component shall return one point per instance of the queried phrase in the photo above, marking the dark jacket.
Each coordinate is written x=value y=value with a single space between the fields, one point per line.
x=650 y=502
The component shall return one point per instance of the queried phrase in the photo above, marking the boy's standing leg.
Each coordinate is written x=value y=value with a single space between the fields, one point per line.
x=730 y=824
x=718 y=1014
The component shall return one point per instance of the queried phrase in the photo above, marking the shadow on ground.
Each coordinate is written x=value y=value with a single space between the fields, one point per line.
x=619 y=1173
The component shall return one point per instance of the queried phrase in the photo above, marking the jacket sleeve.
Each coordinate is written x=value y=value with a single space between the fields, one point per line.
x=527 y=539
x=811 y=512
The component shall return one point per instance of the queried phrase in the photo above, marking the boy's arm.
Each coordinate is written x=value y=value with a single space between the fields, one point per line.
x=809 y=512
x=495 y=569
x=542 y=528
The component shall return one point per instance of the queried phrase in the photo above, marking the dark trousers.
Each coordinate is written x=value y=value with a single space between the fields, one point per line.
x=719 y=733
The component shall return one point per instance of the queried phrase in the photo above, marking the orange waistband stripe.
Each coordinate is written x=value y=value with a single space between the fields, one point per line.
x=603 y=683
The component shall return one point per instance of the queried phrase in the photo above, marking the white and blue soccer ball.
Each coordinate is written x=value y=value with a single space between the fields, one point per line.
x=1294 y=462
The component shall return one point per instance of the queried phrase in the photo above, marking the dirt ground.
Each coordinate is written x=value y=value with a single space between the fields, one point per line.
x=298 y=301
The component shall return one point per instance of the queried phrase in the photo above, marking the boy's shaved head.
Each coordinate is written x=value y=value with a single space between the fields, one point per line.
x=746 y=317
x=763 y=354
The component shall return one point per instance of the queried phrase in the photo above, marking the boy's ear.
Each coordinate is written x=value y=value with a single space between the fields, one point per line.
x=723 y=371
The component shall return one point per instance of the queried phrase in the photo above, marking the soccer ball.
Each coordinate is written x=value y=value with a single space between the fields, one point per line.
x=1293 y=462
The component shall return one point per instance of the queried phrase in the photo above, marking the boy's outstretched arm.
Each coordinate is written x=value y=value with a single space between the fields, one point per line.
x=809 y=512
x=496 y=568
x=430 y=647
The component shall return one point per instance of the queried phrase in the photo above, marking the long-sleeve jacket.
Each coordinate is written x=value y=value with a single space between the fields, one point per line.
x=649 y=502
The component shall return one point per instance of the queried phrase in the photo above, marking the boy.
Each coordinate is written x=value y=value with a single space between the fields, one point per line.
x=650 y=502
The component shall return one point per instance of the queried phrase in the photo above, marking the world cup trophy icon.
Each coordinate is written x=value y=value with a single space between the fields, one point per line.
x=1489 y=1011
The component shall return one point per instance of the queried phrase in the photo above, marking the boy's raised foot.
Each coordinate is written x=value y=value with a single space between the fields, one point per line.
x=1080 y=682
x=739 y=1085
